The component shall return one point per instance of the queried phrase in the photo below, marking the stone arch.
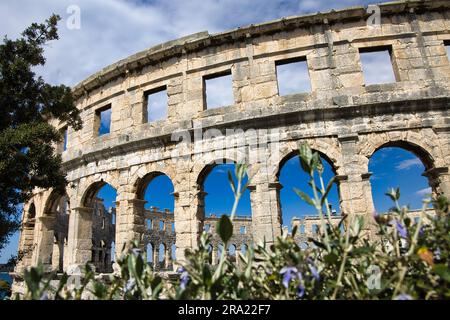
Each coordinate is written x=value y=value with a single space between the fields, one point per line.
x=95 y=225
x=142 y=176
x=201 y=178
x=88 y=187
x=418 y=149
x=141 y=183
x=327 y=154
x=424 y=150
x=54 y=229
x=327 y=148
x=202 y=174
x=421 y=144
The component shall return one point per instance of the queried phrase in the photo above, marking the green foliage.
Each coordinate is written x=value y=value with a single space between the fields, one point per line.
x=404 y=259
x=27 y=158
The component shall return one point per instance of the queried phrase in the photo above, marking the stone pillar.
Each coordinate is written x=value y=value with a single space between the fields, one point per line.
x=168 y=257
x=26 y=244
x=156 y=258
x=45 y=241
x=130 y=223
x=80 y=236
x=188 y=215
x=214 y=255
x=266 y=211
x=354 y=186
x=439 y=180
x=439 y=177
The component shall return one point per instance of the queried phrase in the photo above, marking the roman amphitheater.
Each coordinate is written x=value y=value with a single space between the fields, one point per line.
x=342 y=117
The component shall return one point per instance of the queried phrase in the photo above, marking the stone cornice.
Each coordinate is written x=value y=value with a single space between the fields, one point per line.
x=203 y=39
x=290 y=116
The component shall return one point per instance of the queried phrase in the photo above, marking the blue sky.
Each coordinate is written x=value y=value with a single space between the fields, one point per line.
x=112 y=30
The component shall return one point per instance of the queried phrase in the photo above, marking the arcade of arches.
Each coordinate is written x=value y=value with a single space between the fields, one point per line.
x=96 y=226
x=346 y=120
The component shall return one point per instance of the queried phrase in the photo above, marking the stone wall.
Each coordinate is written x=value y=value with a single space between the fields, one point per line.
x=342 y=118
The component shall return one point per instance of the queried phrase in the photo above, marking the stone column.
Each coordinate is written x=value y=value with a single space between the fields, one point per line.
x=214 y=255
x=439 y=177
x=44 y=248
x=130 y=223
x=168 y=257
x=266 y=211
x=80 y=236
x=439 y=180
x=156 y=259
x=354 y=186
x=25 y=244
x=188 y=215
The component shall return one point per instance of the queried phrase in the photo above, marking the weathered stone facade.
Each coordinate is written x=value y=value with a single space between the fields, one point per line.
x=342 y=118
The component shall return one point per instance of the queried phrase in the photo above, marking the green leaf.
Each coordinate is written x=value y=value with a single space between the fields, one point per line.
x=230 y=179
x=224 y=228
x=305 y=154
x=139 y=266
x=394 y=194
x=331 y=258
x=304 y=197
x=443 y=271
x=327 y=189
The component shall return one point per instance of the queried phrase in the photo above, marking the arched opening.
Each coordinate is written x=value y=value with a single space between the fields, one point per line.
x=31 y=212
x=400 y=165
x=232 y=252
x=157 y=190
x=101 y=199
x=216 y=198
x=54 y=232
x=149 y=253
x=162 y=256
x=294 y=210
x=173 y=250
x=214 y=184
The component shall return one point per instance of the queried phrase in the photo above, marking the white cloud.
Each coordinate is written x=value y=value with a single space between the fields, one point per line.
x=408 y=163
x=423 y=192
x=377 y=67
x=112 y=30
x=293 y=78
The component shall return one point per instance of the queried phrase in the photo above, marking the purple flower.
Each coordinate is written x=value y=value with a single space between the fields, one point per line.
x=421 y=232
x=300 y=290
x=401 y=229
x=403 y=296
x=314 y=272
x=184 y=278
x=437 y=254
x=288 y=273
x=291 y=273
x=300 y=287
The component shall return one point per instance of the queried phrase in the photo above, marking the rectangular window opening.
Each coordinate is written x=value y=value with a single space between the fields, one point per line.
x=103 y=120
x=156 y=102
x=62 y=146
x=293 y=76
x=377 y=65
x=243 y=230
x=218 y=90
x=447 y=48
